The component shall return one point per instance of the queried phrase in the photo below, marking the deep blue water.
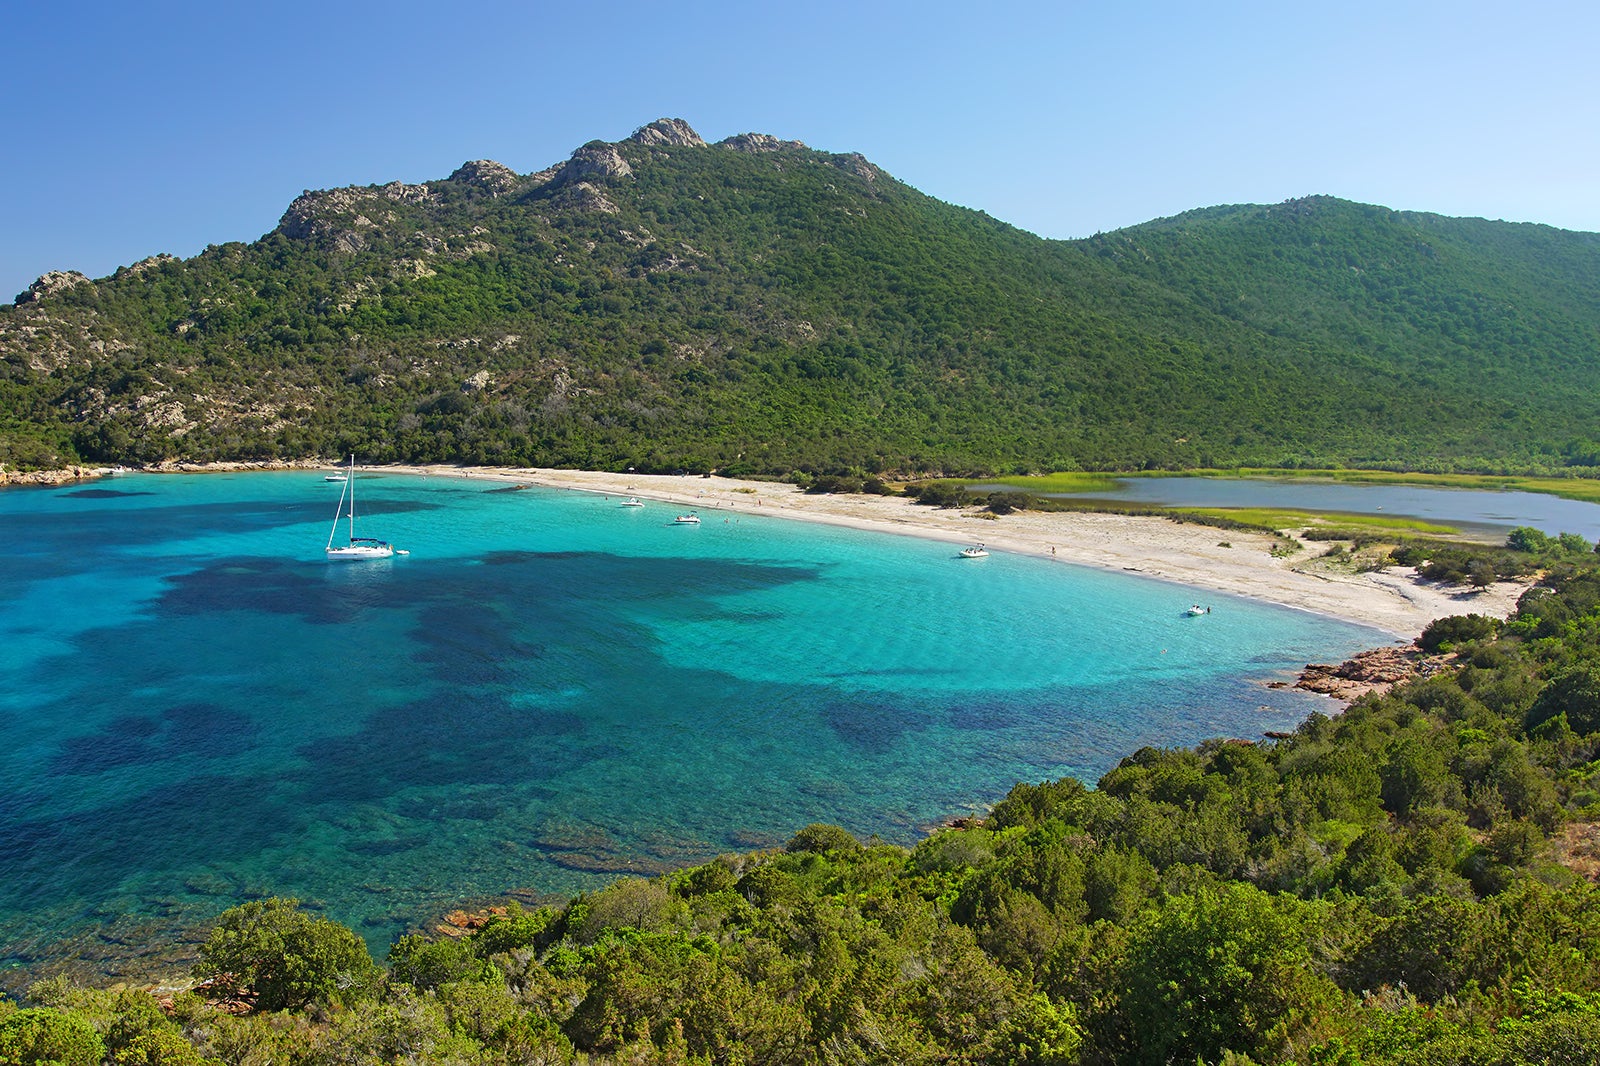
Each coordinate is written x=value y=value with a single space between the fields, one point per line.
x=549 y=691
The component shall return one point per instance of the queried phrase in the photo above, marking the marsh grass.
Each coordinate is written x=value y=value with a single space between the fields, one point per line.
x=1355 y=526
x=1067 y=481
x=1583 y=489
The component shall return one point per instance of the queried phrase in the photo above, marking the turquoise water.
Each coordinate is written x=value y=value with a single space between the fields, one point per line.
x=549 y=691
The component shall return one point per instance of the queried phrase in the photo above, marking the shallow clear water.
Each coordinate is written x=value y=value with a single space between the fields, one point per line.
x=550 y=690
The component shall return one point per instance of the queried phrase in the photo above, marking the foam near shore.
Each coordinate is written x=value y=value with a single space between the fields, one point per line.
x=1232 y=561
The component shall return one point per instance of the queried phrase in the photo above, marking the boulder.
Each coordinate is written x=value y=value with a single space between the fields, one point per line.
x=1374 y=671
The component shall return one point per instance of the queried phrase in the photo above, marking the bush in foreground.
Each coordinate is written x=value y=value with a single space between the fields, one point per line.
x=285 y=957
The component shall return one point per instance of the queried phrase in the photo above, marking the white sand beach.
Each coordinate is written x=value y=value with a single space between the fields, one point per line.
x=1232 y=561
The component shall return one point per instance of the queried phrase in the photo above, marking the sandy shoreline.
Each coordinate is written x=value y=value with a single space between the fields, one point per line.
x=1230 y=561
x=1237 y=562
x=1393 y=601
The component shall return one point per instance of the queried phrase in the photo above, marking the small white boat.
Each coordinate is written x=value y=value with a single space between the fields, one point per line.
x=358 y=549
x=1195 y=608
x=977 y=551
x=334 y=477
x=632 y=501
x=690 y=519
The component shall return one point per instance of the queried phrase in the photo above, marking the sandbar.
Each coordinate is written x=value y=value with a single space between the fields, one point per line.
x=1240 y=563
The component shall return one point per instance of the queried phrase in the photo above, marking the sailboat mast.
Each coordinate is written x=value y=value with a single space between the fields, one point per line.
x=338 y=513
x=352 y=497
x=355 y=548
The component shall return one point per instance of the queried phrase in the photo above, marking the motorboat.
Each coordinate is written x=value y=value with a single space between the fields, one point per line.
x=633 y=501
x=976 y=551
x=690 y=519
x=1195 y=608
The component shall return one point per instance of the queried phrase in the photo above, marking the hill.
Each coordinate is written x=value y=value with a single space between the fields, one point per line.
x=759 y=307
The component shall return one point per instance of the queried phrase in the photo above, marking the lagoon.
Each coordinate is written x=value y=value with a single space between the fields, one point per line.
x=1490 y=513
x=550 y=691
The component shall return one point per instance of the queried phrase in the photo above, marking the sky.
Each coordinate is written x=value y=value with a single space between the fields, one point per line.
x=132 y=129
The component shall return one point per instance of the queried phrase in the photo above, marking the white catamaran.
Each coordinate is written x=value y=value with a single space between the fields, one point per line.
x=358 y=548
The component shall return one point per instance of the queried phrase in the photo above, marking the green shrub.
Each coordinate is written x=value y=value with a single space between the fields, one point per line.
x=40 y=1036
x=515 y=929
x=1007 y=502
x=284 y=956
x=945 y=494
x=821 y=839
x=831 y=483
x=1442 y=633
x=1528 y=539
x=1217 y=970
x=427 y=964
x=159 y=1047
x=1574 y=693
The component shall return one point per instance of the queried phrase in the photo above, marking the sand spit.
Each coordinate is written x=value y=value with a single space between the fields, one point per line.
x=1394 y=600
x=1241 y=563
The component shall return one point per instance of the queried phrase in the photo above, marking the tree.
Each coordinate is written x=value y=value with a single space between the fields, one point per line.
x=284 y=956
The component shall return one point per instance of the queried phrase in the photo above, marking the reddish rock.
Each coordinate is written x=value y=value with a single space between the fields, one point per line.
x=460 y=923
x=1374 y=671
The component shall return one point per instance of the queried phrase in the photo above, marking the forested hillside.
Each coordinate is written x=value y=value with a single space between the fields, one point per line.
x=756 y=306
x=1408 y=883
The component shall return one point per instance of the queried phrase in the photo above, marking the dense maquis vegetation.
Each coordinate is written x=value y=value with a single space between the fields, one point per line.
x=1410 y=882
x=666 y=304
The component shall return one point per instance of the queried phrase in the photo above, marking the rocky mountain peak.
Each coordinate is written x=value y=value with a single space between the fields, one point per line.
x=486 y=175
x=757 y=142
x=597 y=159
x=306 y=217
x=671 y=132
x=150 y=262
x=337 y=215
x=51 y=283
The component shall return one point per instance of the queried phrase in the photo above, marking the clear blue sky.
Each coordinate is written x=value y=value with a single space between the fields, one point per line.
x=137 y=128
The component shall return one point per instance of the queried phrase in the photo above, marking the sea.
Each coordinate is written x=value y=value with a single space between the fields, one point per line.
x=549 y=691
